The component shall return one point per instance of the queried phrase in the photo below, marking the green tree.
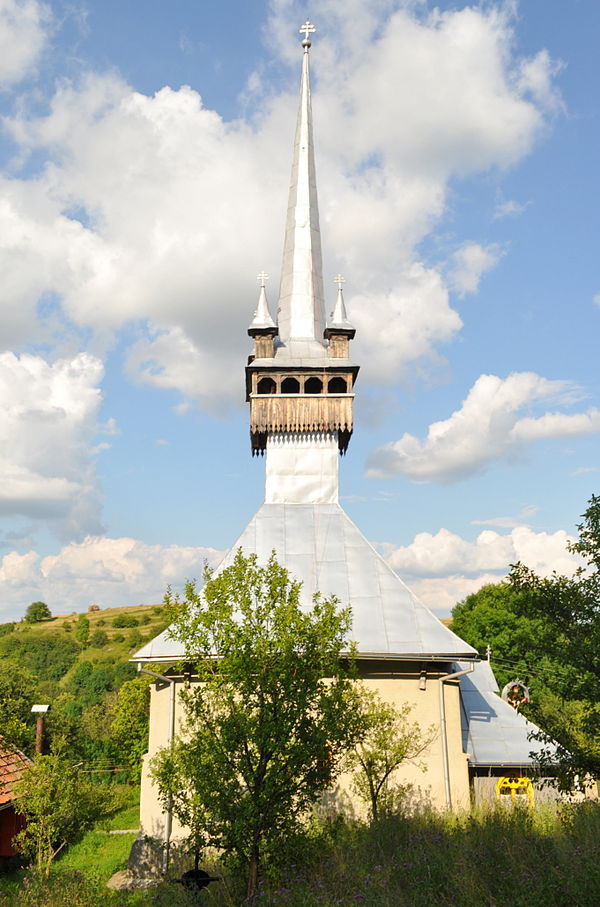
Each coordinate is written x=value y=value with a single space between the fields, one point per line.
x=90 y=680
x=570 y=608
x=36 y=612
x=526 y=643
x=273 y=714
x=389 y=740
x=129 y=728
x=82 y=630
x=58 y=807
x=518 y=642
x=17 y=695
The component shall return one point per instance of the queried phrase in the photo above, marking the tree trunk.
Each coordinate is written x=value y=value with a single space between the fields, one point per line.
x=374 y=795
x=253 y=872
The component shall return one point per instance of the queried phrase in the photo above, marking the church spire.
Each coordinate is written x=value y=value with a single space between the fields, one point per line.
x=301 y=314
x=300 y=386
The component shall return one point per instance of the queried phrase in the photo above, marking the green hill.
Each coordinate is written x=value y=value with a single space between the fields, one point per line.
x=78 y=663
x=126 y=629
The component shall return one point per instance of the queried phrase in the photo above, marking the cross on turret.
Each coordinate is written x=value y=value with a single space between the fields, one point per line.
x=308 y=28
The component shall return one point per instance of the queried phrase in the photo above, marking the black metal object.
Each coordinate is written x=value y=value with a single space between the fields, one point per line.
x=196 y=879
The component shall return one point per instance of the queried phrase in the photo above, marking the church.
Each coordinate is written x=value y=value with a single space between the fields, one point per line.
x=300 y=386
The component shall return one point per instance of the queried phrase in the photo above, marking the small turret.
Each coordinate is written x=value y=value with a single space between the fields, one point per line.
x=262 y=327
x=339 y=332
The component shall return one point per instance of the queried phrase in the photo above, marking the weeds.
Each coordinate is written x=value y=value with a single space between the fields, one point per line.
x=508 y=858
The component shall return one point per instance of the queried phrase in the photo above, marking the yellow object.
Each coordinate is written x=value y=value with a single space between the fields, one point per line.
x=517 y=787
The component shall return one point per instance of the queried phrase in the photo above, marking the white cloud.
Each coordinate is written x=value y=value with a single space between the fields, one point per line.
x=596 y=299
x=509 y=208
x=443 y=568
x=535 y=79
x=469 y=264
x=447 y=553
x=23 y=25
x=442 y=593
x=47 y=423
x=395 y=328
x=148 y=202
x=509 y=522
x=108 y=572
x=490 y=425
x=584 y=470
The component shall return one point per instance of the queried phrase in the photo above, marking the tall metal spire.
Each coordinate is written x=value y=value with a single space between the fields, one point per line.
x=301 y=314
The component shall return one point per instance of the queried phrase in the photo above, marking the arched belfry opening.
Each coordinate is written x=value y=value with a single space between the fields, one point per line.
x=290 y=386
x=266 y=386
x=337 y=385
x=313 y=386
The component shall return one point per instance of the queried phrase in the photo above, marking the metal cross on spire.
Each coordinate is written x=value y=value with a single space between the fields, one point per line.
x=308 y=28
x=263 y=277
x=340 y=281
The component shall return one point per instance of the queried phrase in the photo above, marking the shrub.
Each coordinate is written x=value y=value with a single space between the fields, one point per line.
x=98 y=639
x=124 y=620
x=134 y=639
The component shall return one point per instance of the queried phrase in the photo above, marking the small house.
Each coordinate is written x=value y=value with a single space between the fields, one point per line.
x=12 y=766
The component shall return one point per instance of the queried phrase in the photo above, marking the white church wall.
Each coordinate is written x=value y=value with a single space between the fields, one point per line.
x=427 y=782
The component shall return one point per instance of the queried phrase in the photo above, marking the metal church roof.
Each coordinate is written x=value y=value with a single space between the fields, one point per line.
x=494 y=734
x=320 y=545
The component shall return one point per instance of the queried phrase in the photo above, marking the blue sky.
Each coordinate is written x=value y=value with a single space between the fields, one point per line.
x=145 y=152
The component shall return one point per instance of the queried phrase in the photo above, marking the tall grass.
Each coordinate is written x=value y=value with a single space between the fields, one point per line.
x=516 y=858
x=508 y=858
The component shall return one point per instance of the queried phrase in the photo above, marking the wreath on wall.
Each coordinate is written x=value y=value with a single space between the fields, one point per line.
x=516 y=693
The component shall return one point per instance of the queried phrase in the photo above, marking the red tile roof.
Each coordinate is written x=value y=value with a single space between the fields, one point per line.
x=12 y=764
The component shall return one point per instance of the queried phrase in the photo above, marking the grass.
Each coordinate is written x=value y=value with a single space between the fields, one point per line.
x=129 y=817
x=514 y=858
x=98 y=853
x=508 y=858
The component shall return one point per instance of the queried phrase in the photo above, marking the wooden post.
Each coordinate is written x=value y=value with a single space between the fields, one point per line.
x=39 y=734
